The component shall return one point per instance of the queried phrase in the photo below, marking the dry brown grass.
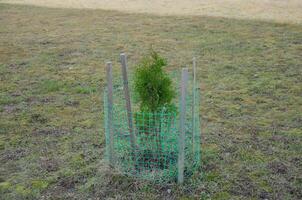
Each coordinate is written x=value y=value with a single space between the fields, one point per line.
x=51 y=122
x=287 y=11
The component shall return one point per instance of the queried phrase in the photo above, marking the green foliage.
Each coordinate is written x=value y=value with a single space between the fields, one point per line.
x=152 y=84
x=155 y=93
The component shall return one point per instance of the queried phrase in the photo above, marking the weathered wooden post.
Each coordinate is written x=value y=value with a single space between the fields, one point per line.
x=110 y=112
x=193 y=105
x=128 y=103
x=181 y=153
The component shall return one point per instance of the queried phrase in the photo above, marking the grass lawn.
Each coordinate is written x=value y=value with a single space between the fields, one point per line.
x=51 y=122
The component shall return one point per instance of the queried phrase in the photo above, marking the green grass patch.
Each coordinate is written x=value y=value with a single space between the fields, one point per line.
x=48 y=86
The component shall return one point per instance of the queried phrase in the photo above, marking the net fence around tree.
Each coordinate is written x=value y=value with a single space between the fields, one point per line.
x=152 y=151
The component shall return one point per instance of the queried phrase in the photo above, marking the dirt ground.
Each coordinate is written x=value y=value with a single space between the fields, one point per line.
x=287 y=11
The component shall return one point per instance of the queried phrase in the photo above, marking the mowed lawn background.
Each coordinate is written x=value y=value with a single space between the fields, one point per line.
x=51 y=121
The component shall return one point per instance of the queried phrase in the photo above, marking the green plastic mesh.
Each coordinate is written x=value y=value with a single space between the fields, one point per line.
x=154 y=153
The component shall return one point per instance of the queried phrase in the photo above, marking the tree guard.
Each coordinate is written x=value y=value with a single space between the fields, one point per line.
x=161 y=146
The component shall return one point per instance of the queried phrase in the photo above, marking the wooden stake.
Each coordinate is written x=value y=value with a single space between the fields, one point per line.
x=110 y=112
x=193 y=105
x=181 y=153
x=128 y=102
